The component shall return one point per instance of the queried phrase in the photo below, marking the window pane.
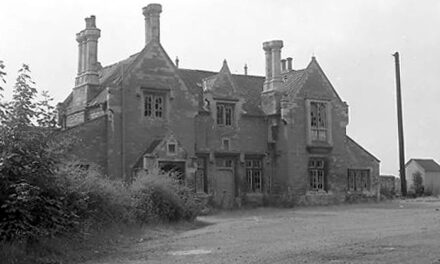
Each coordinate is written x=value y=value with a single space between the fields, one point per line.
x=321 y=119
x=228 y=115
x=313 y=115
x=257 y=164
x=314 y=134
x=148 y=105
x=322 y=135
x=158 y=106
x=220 y=113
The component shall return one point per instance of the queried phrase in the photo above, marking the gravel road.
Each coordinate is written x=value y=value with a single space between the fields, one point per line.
x=390 y=232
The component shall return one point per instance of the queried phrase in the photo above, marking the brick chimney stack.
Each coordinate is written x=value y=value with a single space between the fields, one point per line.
x=152 y=22
x=272 y=51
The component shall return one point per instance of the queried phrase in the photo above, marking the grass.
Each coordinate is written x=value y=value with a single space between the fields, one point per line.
x=86 y=247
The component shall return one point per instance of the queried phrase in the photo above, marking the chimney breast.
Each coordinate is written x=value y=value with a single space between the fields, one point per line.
x=152 y=22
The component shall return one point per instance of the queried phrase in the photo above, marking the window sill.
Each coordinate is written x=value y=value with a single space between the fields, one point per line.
x=319 y=147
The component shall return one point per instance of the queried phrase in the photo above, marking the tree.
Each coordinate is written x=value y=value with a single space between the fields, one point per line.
x=46 y=111
x=2 y=82
x=418 y=183
x=23 y=107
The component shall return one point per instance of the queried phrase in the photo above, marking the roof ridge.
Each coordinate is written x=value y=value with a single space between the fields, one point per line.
x=214 y=72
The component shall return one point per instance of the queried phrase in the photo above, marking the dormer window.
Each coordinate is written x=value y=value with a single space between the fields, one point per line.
x=225 y=114
x=154 y=105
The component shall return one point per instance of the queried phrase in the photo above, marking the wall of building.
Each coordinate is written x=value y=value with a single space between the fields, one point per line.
x=294 y=151
x=357 y=158
x=91 y=142
x=432 y=183
x=410 y=170
x=152 y=71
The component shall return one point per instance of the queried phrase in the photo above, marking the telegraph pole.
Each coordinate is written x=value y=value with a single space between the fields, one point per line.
x=400 y=126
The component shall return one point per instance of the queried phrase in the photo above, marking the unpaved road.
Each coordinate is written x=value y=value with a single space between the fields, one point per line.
x=391 y=232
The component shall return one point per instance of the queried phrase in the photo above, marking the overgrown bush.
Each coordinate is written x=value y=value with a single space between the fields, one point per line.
x=160 y=197
x=95 y=199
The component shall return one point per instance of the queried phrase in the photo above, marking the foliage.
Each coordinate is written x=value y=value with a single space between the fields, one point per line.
x=160 y=197
x=31 y=204
x=46 y=112
x=2 y=82
x=418 y=184
x=95 y=199
x=46 y=194
x=23 y=107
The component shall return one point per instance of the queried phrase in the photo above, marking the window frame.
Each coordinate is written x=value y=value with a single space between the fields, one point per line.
x=156 y=111
x=319 y=129
x=254 y=170
x=355 y=175
x=225 y=114
x=317 y=174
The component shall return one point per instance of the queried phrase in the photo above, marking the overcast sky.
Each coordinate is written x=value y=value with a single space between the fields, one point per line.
x=352 y=40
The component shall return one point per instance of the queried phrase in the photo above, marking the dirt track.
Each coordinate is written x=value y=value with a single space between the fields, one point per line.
x=392 y=232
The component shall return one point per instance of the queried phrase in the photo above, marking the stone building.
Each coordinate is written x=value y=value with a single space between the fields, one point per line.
x=237 y=138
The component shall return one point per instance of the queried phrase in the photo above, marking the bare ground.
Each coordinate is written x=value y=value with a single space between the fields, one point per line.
x=390 y=232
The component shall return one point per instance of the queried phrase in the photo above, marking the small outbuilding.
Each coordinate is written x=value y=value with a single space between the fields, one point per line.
x=424 y=172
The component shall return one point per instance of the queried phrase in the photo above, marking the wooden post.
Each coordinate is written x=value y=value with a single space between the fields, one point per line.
x=400 y=126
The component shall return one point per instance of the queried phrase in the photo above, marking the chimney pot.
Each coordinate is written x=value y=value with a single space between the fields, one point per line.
x=90 y=22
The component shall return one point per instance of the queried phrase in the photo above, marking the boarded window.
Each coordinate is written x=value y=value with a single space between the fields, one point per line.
x=225 y=114
x=358 y=180
x=317 y=174
x=254 y=175
x=318 y=121
x=154 y=105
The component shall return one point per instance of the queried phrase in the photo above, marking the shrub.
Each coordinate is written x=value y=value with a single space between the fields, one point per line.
x=96 y=200
x=160 y=197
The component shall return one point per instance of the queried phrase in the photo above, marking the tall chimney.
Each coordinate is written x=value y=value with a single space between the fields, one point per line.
x=177 y=62
x=276 y=46
x=245 y=69
x=289 y=63
x=283 y=65
x=92 y=35
x=88 y=53
x=152 y=22
x=268 y=56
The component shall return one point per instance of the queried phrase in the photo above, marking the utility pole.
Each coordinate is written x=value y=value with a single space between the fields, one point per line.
x=400 y=126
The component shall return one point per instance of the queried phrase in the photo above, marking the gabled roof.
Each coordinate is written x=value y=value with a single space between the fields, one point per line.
x=429 y=165
x=248 y=86
x=295 y=79
x=362 y=148
x=221 y=84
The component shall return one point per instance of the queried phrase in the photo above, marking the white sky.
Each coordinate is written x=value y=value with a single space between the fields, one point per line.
x=353 y=41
